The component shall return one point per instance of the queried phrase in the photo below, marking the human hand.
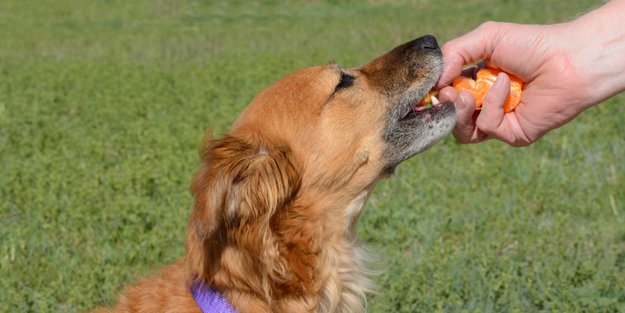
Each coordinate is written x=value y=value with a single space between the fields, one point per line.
x=553 y=89
x=566 y=68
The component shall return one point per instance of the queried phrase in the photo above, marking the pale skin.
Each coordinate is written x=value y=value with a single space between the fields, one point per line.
x=566 y=68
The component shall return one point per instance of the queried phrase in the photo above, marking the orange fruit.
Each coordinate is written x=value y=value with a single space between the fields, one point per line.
x=485 y=79
x=468 y=84
x=427 y=100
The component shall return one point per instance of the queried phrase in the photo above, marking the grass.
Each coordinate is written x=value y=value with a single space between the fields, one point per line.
x=103 y=105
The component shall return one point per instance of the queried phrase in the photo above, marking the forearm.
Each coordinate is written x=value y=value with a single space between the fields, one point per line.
x=598 y=49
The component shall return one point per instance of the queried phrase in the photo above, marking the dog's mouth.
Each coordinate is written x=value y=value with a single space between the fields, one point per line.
x=424 y=106
x=407 y=75
x=420 y=104
x=418 y=122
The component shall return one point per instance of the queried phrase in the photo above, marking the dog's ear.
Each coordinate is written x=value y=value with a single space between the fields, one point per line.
x=239 y=183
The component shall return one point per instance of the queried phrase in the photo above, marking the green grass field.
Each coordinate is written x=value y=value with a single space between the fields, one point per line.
x=103 y=105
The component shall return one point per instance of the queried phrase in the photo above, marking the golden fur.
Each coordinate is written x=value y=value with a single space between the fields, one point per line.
x=278 y=197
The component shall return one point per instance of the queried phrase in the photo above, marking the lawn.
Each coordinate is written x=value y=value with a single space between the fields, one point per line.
x=103 y=105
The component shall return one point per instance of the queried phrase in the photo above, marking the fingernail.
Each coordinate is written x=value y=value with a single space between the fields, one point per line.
x=499 y=82
x=463 y=103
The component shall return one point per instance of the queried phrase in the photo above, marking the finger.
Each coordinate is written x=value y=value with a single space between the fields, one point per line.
x=452 y=66
x=492 y=115
x=469 y=48
x=489 y=64
x=448 y=94
x=465 y=129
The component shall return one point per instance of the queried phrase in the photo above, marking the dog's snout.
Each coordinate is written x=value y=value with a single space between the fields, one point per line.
x=421 y=45
x=427 y=42
x=415 y=61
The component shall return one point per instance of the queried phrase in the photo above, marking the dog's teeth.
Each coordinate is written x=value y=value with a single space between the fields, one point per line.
x=435 y=101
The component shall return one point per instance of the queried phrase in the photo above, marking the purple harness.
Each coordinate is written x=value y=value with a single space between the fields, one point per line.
x=210 y=299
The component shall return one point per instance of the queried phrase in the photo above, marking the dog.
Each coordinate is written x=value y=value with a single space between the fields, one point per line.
x=277 y=198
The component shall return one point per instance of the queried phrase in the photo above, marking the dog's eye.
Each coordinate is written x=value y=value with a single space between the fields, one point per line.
x=345 y=82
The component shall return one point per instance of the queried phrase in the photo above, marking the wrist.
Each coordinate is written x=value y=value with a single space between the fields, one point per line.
x=596 y=44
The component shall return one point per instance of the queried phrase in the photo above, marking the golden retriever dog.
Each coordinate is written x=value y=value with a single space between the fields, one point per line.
x=277 y=198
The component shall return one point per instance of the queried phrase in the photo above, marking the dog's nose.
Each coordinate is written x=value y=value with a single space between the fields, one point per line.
x=427 y=42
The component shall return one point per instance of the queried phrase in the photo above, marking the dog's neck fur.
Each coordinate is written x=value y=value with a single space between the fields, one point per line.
x=317 y=264
x=339 y=282
x=348 y=284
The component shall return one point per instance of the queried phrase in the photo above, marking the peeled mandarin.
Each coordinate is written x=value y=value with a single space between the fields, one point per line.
x=468 y=84
x=485 y=79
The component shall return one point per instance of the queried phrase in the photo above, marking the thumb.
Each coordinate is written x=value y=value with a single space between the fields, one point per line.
x=469 y=48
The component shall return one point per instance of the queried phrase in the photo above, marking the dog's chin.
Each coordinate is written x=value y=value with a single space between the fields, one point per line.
x=416 y=130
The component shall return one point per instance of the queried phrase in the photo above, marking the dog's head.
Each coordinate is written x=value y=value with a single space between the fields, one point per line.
x=306 y=150
x=328 y=113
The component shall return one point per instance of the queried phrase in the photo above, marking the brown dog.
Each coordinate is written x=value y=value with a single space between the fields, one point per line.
x=277 y=198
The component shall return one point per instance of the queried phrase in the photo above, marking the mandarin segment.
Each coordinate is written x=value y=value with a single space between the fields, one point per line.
x=485 y=78
x=468 y=84
x=428 y=98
